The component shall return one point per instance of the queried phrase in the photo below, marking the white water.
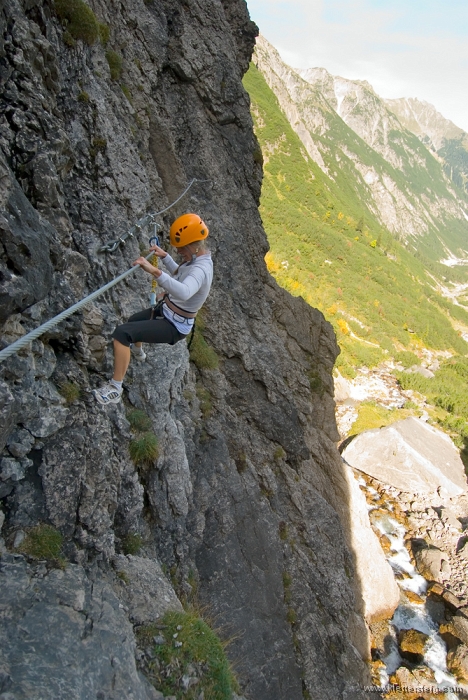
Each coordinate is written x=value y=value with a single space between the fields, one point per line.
x=410 y=615
x=400 y=559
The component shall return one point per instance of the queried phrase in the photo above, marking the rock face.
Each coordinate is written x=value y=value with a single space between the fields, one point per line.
x=148 y=593
x=247 y=502
x=410 y=455
x=65 y=634
x=379 y=589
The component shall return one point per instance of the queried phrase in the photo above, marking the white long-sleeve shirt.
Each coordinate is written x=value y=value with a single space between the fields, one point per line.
x=188 y=285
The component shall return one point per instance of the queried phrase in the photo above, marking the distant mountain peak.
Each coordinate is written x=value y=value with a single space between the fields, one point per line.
x=423 y=119
x=314 y=75
x=377 y=121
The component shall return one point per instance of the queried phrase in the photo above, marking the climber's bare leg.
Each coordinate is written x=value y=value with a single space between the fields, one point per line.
x=121 y=360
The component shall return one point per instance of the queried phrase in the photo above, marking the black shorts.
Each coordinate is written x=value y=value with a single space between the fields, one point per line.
x=141 y=327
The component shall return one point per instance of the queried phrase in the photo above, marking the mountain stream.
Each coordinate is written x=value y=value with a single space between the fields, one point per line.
x=401 y=519
x=416 y=611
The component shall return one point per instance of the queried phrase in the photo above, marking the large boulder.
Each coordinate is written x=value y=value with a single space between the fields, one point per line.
x=410 y=455
x=457 y=662
x=457 y=627
x=431 y=562
x=379 y=589
x=411 y=681
x=342 y=388
x=411 y=644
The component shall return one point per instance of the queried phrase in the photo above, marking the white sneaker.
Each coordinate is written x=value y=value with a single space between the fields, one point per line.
x=107 y=394
x=138 y=353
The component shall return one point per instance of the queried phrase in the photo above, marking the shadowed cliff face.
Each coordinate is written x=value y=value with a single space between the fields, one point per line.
x=247 y=500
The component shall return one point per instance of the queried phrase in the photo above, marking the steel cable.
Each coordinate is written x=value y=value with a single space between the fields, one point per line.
x=33 y=335
x=110 y=247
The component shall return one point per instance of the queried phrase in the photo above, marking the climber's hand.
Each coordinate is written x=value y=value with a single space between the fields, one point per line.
x=147 y=266
x=158 y=251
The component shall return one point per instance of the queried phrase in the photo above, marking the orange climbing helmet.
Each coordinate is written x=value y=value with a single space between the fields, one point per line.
x=187 y=229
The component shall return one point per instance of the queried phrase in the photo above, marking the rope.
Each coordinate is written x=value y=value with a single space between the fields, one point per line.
x=192 y=335
x=112 y=246
x=25 y=339
x=154 y=240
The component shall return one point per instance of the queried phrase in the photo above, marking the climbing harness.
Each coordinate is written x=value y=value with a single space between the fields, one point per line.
x=182 y=312
x=177 y=309
x=110 y=248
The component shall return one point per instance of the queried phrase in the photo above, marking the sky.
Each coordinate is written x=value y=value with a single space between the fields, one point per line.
x=403 y=48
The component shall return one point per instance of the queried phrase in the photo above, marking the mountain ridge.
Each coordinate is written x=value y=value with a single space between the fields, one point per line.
x=430 y=206
x=418 y=116
x=438 y=133
x=423 y=119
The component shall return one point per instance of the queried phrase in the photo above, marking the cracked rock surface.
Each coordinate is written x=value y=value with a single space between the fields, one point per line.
x=246 y=505
x=65 y=634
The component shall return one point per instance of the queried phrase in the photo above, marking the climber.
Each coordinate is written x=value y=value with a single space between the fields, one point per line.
x=186 y=286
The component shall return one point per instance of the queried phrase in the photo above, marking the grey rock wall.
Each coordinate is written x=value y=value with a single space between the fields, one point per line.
x=65 y=634
x=246 y=502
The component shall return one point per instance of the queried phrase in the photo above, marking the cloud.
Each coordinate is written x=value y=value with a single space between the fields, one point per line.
x=417 y=49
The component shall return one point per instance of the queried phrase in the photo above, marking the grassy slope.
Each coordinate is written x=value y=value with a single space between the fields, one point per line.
x=327 y=248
